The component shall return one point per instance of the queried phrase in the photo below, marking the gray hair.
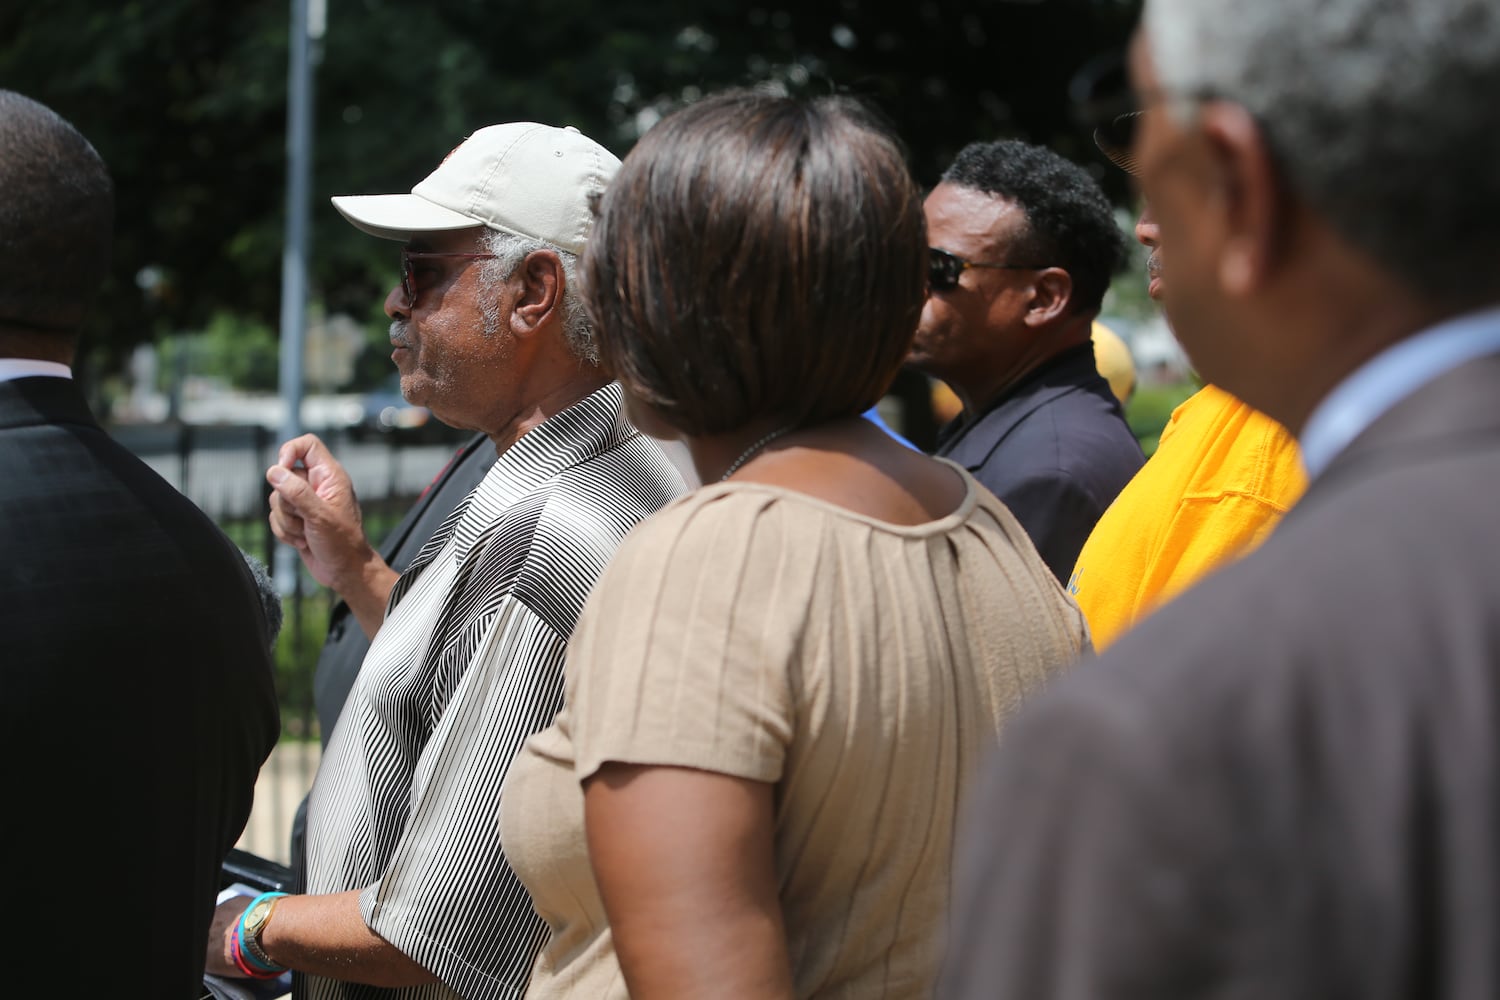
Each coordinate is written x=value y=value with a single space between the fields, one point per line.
x=510 y=250
x=1383 y=115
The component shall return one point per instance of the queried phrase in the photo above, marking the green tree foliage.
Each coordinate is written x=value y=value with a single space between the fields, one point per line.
x=187 y=103
x=1151 y=407
x=239 y=350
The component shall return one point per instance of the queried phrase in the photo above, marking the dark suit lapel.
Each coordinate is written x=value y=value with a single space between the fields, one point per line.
x=428 y=551
x=397 y=539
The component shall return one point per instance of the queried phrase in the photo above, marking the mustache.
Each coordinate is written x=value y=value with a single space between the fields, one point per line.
x=398 y=334
x=1153 y=264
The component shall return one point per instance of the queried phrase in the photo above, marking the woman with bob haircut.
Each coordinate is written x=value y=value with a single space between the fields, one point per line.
x=783 y=682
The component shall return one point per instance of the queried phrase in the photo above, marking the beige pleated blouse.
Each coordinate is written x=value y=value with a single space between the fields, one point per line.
x=863 y=668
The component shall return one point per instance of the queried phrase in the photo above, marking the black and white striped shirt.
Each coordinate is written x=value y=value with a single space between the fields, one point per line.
x=467 y=664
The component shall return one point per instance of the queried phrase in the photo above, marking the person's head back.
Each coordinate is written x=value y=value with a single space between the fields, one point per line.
x=1318 y=163
x=758 y=258
x=1030 y=245
x=56 y=226
x=489 y=295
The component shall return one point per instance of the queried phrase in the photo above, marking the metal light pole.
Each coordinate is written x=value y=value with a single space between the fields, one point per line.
x=308 y=20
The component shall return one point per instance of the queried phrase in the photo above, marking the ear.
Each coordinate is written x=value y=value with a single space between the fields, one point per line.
x=1251 y=198
x=1051 y=293
x=542 y=284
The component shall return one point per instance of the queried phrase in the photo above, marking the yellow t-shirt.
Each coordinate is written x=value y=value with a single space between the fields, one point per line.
x=1222 y=476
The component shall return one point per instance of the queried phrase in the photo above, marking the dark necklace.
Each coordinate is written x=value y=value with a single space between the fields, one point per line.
x=753 y=450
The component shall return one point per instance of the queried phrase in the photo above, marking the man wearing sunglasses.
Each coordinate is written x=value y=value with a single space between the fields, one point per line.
x=1285 y=783
x=1023 y=247
x=405 y=885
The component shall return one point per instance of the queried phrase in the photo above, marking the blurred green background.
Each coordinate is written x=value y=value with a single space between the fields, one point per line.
x=187 y=102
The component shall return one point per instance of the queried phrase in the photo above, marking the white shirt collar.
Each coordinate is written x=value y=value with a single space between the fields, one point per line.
x=13 y=368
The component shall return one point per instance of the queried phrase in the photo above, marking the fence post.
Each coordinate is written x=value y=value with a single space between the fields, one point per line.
x=184 y=449
x=261 y=457
x=393 y=483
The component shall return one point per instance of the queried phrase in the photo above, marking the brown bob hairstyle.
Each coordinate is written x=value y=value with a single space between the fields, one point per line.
x=758 y=257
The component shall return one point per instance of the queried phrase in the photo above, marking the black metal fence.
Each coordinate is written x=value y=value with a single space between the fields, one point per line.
x=222 y=470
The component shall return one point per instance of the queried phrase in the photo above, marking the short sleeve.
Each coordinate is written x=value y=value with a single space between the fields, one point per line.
x=686 y=649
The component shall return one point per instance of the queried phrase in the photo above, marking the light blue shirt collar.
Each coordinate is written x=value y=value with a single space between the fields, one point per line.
x=1391 y=376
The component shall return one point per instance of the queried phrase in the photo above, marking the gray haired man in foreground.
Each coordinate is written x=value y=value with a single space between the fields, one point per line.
x=1286 y=783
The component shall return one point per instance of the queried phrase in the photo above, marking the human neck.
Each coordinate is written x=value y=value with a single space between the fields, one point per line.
x=32 y=346
x=546 y=398
x=1326 y=329
x=980 y=389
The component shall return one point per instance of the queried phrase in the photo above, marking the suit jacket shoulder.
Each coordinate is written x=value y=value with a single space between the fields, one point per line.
x=1056 y=450
x=1312 y=735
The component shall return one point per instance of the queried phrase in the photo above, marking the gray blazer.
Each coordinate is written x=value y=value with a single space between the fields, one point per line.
x=1286 y=783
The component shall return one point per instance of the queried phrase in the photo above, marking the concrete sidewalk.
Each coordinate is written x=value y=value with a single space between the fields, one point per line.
x=284 y=780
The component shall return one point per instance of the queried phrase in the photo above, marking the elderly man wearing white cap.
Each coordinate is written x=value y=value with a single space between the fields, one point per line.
x=405 y=885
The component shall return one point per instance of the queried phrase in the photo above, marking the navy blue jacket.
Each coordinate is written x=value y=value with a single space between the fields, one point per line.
x=1055 y=448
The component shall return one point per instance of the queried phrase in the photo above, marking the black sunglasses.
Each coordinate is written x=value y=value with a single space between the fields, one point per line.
x=409 y=276
x=1105 y=105
x=943 y=268
x=1116 y=140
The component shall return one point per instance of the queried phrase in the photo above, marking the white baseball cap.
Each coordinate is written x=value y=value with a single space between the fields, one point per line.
x=522 y=178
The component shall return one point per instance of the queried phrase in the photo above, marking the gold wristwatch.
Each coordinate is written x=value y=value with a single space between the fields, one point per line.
x=255 y=922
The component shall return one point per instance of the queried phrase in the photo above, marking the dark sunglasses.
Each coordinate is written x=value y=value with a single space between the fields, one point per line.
x=408 y=273
x=1105 y=105
x=1116 y=140
x=943 y=268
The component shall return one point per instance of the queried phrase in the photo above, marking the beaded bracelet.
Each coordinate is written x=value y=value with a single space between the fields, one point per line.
x=249 y=957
